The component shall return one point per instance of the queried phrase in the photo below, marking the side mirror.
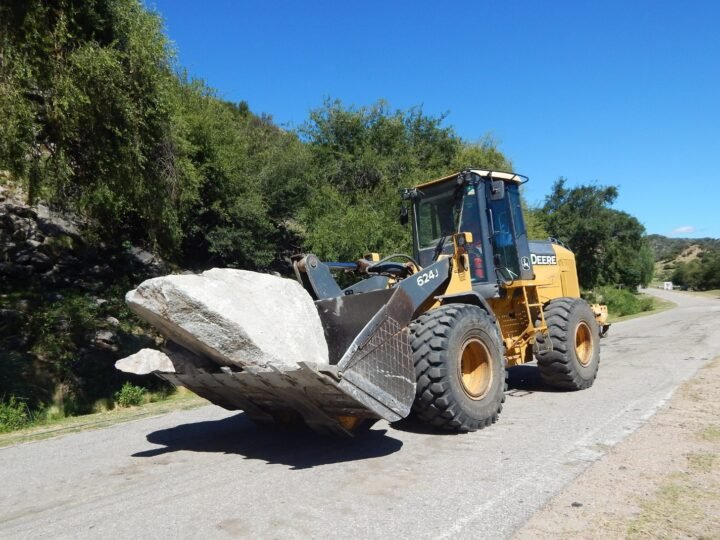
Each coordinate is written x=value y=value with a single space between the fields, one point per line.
x=497 y=190
x=404 y=215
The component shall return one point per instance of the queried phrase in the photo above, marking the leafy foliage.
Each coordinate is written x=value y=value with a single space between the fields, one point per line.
x=58 y=348
x=534 y=221
x=688 y=262
x=609 y=245
x=701 y=274
x=130 y=395
x=14 y=414
x=61 y=329
x=483 y=154
x=621 y=302
x=250 y=178
x=92 y=97
x=89 y=98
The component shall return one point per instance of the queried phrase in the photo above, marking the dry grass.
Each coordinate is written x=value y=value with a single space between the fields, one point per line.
x=663 y=482
x=687 y=503
x=690 y=253
x=710 y=433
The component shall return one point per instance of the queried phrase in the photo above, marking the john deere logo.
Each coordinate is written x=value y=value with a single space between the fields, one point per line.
x=543 y=259
x=525 y=263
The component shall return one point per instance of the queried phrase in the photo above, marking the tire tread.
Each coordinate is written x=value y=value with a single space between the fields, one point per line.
x=558 y=366
x=435 y=403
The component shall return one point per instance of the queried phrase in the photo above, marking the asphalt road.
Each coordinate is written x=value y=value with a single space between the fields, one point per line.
x=211 y=473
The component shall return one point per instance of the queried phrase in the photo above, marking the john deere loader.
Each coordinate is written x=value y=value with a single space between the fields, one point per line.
x=430 y=334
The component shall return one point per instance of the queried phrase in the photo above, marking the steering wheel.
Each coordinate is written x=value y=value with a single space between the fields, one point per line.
x=391 y=268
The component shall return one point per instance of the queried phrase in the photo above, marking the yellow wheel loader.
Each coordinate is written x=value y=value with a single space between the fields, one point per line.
x=434 y=332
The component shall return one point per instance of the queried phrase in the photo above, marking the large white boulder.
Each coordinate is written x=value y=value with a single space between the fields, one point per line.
x=234 y=317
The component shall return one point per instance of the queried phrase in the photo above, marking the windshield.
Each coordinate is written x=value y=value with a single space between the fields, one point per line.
x=437 y=215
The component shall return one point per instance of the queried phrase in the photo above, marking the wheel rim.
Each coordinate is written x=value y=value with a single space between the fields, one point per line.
x=475 y=369
x=583 y=344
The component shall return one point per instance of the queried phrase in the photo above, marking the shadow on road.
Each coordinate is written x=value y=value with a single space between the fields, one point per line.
x=522 y=381
x=412 y=424
x=525 y=379
x=301 y=449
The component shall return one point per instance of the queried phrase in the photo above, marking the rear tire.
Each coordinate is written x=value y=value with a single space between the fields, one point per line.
x=459 y=369
x=573 y=362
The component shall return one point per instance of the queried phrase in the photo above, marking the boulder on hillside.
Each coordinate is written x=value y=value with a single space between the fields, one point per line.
x=234 y=317
x=146 y=361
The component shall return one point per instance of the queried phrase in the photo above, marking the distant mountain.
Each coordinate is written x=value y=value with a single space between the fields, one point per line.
x=670 y=252
x=668 y=249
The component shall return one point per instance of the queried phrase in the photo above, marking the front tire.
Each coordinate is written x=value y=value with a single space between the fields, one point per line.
x=573 y=360
x=459 y=369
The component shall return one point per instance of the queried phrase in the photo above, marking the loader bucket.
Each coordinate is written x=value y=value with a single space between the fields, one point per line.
x=370 y=373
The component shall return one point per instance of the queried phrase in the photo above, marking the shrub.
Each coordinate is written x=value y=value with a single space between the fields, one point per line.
x=14 y=414
x=646 y=304
x=621 y=302
x=129 y=395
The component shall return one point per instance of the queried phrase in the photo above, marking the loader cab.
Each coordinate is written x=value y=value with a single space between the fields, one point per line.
x=486 y=204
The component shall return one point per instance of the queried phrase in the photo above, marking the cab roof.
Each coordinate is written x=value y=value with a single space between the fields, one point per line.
x=496 y=175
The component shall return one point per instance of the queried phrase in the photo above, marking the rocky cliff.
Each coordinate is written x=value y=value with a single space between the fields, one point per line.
x=63 y=321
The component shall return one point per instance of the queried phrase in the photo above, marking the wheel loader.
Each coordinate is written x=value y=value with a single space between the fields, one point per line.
x=432 y=333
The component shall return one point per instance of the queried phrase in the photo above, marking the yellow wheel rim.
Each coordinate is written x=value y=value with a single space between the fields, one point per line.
x=583 y=344
x=475 y=369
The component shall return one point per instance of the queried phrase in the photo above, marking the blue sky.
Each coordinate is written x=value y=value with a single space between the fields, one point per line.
x=623 y=93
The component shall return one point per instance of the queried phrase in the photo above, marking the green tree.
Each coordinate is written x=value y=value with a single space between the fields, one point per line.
x=361 y=157
x=609 y=245
x=484 y=154
x=88 y=96
x=251 y=179
x=701 y=274
x=534 y=221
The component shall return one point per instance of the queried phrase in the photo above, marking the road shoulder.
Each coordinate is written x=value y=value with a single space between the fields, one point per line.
x=663 y=481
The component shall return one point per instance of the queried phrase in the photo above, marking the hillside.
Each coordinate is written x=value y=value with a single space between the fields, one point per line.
x=688 y=262
x=668 y=249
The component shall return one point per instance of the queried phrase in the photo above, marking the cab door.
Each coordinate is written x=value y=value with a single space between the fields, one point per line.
x=508 y=235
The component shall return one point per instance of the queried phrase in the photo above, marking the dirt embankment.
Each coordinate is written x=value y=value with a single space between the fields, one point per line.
x=661 y=482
